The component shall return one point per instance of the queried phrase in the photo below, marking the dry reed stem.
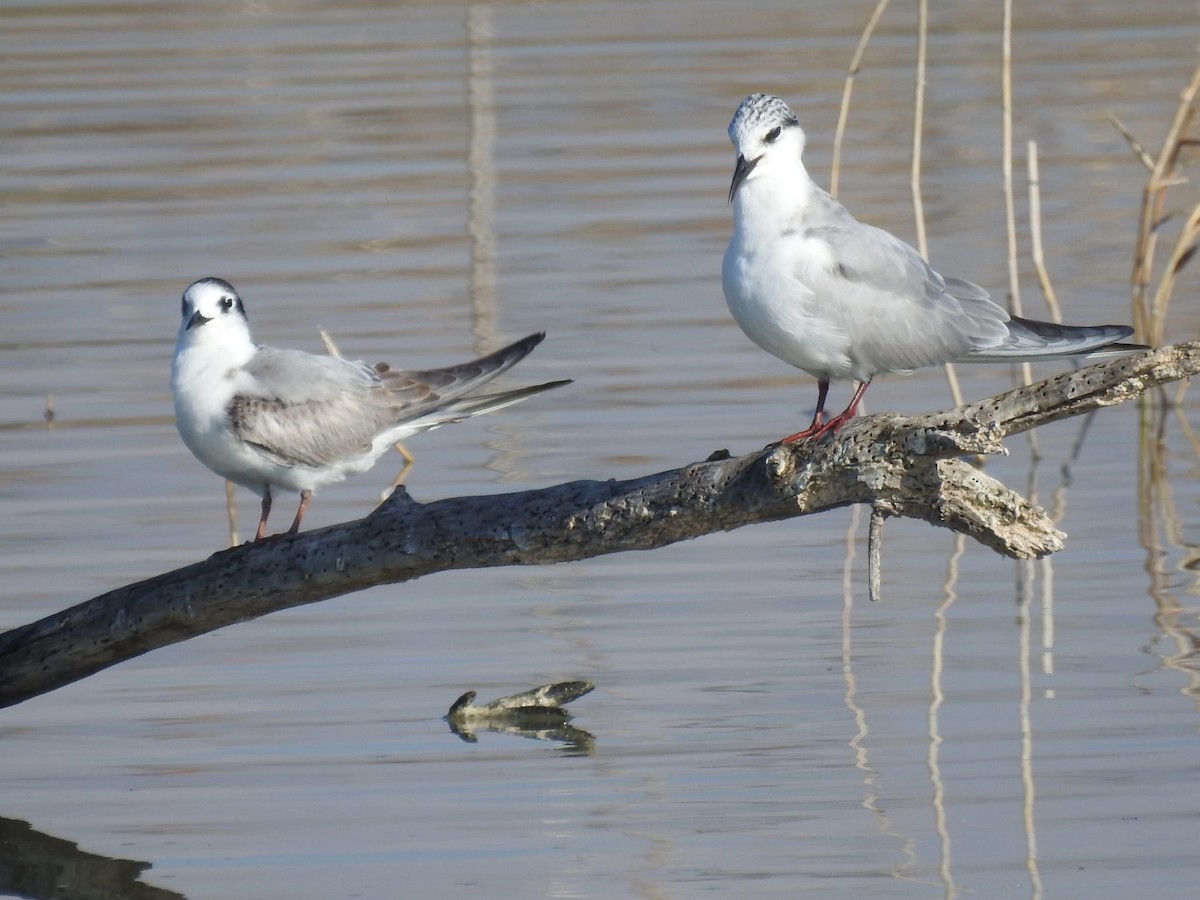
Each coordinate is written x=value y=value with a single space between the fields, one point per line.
x=919 y=124
x=1149 y=312
x=1134 y=143
x=917 y=150
x=1010 y=206
x=1035 y=232
x=844 y=112
x=1181 y=252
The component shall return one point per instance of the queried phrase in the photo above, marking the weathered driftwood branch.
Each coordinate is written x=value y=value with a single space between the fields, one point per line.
x=903 y=465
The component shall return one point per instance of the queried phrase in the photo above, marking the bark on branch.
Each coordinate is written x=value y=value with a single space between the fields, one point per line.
x=904 y=465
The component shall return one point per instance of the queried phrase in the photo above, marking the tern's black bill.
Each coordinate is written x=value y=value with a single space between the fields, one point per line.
x=741 y=172
x=198 y=318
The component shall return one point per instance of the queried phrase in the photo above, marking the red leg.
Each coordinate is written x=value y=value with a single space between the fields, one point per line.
x=835 y=424
x=266 y=511
x=305 y=496
x=818 y=423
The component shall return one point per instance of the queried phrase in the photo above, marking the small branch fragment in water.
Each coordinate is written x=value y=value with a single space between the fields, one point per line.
x=546 y=700
x=534 y=714
x=875 y=553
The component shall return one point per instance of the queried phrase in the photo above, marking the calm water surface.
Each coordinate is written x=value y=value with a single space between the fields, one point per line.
x=427 y=180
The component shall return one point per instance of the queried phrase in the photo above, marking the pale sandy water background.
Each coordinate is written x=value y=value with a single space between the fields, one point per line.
x=426 y=180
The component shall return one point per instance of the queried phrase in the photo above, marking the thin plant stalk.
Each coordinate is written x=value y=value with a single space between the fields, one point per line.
x=919 y=125
x=1035 y=232
x=1149 y=311
x=917 y=147
x=1010 y=213
x=844 y=112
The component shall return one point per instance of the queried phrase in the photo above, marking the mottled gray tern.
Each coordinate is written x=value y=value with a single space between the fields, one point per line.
x=266 y=418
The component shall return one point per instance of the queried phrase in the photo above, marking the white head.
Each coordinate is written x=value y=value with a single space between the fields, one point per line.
x=212 y=310
x=763 y=129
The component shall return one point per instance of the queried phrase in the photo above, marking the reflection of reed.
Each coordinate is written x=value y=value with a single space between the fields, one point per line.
x=480 y=213
x=1028 y=782
x=1028 y=577
x=1028 y=574
x=1159 y=528
x=1033 y=579
x=860 y=717
x=858 y=742
x=1159 y=525
x=481 y=172
x=504 y=442
x=937 y=697
x=908 y=846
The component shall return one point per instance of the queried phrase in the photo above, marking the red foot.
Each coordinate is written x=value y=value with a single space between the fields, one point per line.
x=816 y=429
x=819 y=430
x=819 y=427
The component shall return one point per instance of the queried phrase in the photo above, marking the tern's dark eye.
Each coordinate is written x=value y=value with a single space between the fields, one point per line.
x=773 y=134
x=226 y=304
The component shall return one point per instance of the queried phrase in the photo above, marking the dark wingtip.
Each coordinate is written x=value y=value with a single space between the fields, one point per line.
x=521 y=348
x=1127 y=347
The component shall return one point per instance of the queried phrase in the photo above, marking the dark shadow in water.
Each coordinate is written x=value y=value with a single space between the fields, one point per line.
x=42 y=867
x=575 y=741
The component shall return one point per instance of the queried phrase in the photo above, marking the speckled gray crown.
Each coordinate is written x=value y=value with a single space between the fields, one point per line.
x=760 y=110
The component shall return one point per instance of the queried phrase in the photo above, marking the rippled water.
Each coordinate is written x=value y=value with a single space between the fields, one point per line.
x=426 y=180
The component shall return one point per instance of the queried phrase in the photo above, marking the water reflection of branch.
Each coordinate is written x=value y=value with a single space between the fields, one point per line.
x=1028 y=782
x=41 y=866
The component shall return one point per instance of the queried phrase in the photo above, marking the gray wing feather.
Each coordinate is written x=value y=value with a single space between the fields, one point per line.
x=1029 y=339
x=434 y=397
x=302 y=409
x=306 y=410
x=900 y=312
